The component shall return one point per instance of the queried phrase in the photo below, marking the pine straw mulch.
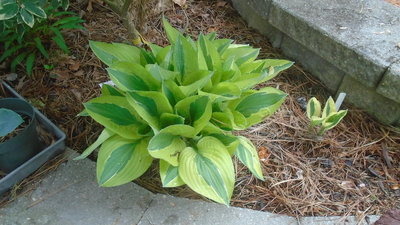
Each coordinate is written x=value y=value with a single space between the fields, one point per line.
x=353 y=170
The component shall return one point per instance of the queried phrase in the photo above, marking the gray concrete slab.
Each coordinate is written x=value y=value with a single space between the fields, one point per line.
x=71 y=196
x=390 y=83
x=168 y=210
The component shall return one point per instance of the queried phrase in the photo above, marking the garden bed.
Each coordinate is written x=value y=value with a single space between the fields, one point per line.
x=349 y=172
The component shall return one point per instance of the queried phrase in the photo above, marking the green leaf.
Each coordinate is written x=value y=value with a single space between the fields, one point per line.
x=247 y=154
x=313 y=108
x=209 y=170
x=41 y=48
x=167 y=119
x=110 y=90
x=150 y=105
x=160 y=73
x=61 y=43
x=180 y=130
x=66 y=20
x=65 y=4
x=29 y=63
x=166 y=146
x=211 y=55
x=8 y=11
x=169 y=175
x=196 y=110
x=121 y=161
x=34 y=9
x=329 y=108
x=333 y=119
x=115 y=52
x=117 y=115
x=242 y=54
x=9 y=52
x=132 y=76
x=17 y=60
x=172 y=33
x=105 y=134
x=275 y=66
x=9 y=121
x=230 y=141
x=27 y=17
x=172 y=92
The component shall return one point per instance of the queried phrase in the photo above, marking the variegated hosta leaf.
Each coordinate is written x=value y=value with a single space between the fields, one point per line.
x=121 y=161
x=196 y=110
x=172 y=33
x=333 y=119
x=208 y=169
x=230 y=141
x=313 y=108
x=242 y=54
x=184 y=56
x=256 y=105
x=211 y=55
x=189 y=88
x=252 y=67
x=132 y=77
x=275 y=66
x=247 y=154
x=181 y=130
x=329 y=108
x=247 y=81
x=167 y=119
x=221 y=44
x=160 y=73
x=115 y=52
x=315 y=121
x=223 y=91
x=105 y=134
x=169 y=175
x=117 y=115
x=150 y=105
x=166 y=146
x=110 y=90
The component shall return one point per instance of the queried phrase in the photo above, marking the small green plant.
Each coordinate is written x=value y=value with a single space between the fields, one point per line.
x=180 y=104
x=27 y=26
x=9 y=120
x=326 y=120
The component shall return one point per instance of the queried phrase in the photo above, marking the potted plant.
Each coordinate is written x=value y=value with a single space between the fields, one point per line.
x=25 y=152
x=19 y=140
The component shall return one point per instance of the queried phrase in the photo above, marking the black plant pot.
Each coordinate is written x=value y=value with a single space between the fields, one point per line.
x=44 y=154
x=17 y=150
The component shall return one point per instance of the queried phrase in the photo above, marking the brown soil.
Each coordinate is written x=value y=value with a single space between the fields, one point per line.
x=354 y=169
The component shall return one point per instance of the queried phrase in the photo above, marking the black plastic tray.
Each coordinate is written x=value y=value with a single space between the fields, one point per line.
x=39 y=159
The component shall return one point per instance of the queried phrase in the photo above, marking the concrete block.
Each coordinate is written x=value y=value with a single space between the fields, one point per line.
x=385 y=110
x=324 y=70
x=71 y=196
x=165 y=210
x=254 y=13
x=358 y=37
x=390 y=83
x=337 y=220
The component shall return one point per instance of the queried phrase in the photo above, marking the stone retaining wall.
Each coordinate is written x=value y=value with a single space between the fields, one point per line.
x=352 y=46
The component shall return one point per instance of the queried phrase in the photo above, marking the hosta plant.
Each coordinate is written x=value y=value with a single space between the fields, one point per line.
x=179 y=104
x=326 y=119
x=28 y=26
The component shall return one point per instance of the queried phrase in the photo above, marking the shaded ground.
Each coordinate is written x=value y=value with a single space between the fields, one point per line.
x=353 y=170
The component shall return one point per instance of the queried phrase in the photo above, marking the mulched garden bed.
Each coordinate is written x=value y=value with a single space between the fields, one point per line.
x=353 y=170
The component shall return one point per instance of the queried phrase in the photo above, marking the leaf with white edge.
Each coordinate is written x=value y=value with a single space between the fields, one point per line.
x=184 y=56
x=247 y=154
x=8 y=11
x=208 y=170
x=182 y=130
x=329 y=108
x=150 y=105
x=242 y=54
x=172 y=33
x=313 y=108
x=230 y=141
x=9 y=121
x=115 y=52
x=164 y=57
x=172 y=91
x=169 y=175
x=211 y=55
x=196 y=110
x=333 y=119
x=121 y=160
x=116 y=114
x=223 y=91
x=105 y=134
x=27 y=17
x=252 y=67
x=223 y=120
x=275 y=66
x=34 y=9
x=222 y=44
x=249 y=80
x=166 y=146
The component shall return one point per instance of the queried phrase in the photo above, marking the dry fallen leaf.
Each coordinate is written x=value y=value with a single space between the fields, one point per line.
x=181 y=3
x=263 y=153
x=347 y=184
x=221 y=3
